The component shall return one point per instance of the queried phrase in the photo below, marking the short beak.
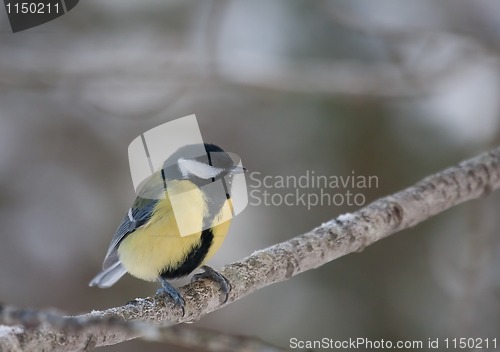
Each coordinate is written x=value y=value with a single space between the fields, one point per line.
x=237 y=170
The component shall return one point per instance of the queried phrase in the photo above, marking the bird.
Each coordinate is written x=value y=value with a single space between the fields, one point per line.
x=149 y=243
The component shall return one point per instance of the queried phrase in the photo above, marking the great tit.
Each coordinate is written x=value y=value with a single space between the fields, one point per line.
x=148 y=243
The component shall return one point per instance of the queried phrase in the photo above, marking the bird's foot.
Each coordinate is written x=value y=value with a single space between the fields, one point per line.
x=210 y=273
x=167 y=289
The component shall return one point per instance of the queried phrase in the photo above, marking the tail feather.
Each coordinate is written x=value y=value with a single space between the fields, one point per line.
x=109 y=276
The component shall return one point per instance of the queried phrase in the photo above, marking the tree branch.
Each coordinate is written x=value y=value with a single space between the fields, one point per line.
x=348 y=233
x=185 y=335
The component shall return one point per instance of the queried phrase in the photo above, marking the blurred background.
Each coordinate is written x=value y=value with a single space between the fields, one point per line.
x=394 y=89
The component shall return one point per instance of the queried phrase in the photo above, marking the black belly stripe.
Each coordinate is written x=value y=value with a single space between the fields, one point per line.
x=193 y=259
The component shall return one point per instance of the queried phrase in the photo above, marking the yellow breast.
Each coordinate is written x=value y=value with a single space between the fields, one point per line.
x=158 y=245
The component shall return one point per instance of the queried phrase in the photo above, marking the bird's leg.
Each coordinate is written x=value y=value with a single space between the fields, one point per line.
x=170 y=290
x=210 y=273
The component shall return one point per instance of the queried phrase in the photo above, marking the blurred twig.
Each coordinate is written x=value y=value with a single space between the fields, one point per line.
x=346 y=234
x=180 y=335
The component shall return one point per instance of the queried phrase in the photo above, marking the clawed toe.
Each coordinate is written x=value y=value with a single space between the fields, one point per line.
x=210 y=273
x=169 y=290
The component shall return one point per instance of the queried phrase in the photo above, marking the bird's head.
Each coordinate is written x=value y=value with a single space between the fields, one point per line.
x=201 y=163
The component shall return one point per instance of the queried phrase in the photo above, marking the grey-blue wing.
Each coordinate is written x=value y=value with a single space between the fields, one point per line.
x=136 y=217
x=113 y=269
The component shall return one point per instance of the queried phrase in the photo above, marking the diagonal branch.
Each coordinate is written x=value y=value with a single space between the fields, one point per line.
x=346 y=234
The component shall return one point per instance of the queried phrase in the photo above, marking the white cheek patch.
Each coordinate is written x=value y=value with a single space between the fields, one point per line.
x=198 y=169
